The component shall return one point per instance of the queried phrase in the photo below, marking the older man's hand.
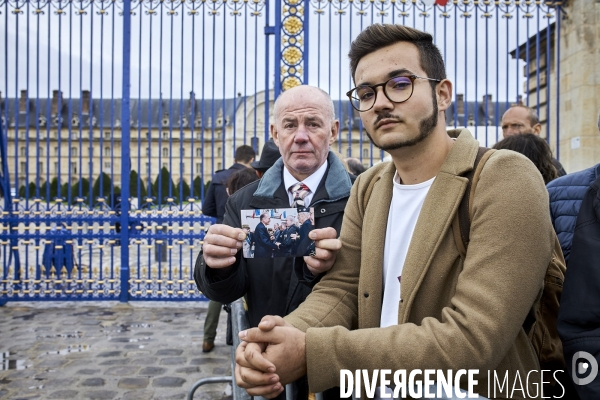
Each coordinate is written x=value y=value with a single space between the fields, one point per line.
x=221 y=244
x=326 y=247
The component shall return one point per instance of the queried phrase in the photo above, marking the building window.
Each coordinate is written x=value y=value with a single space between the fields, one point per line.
x=165 y=136
x=198 y=152
x=23 y=167
x=219 y=166
x=56 y=150
x=147 y=151
x=23 y=134
x=73 y=151
x=22 y=182
x=182 y=152
x=198 y=168
x=165 y=165
x=23 y=151
x=148 y=167
x=107 y=135
x=107 y=151
x=107 y=165
x=165 y=152
x=365 y=153
x=41 y=167
x=41 y=151
x=55 y=167
x=219 y=150
x=74 y=168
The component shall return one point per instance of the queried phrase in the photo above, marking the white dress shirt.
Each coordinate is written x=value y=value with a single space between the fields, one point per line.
x=312 y=182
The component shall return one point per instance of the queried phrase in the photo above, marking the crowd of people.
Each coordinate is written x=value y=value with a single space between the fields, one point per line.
x=444 y=254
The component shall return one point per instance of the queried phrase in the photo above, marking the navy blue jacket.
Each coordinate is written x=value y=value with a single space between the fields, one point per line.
x=263 y=246
x=579 y=314
x=566 y=194
x=216 y=195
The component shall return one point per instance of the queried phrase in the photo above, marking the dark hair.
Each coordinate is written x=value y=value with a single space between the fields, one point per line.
x=378 y=36
x=244 y=154
x=240 y=178
x=355 y=166
x=535 y=148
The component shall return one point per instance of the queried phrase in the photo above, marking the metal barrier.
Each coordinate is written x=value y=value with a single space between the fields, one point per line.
x=239 y=322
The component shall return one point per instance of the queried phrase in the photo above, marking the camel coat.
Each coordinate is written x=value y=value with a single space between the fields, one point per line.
x=451 y=315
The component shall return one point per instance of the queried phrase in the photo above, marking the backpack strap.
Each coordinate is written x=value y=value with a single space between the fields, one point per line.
x=461 y=225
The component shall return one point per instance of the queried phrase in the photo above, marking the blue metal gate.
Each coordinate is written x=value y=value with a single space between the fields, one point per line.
x=116 y=113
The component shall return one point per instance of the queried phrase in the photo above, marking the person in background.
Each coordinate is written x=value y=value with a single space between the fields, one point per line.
x=535 y=148
x=214 y=206
x=355 y=166
x=520 y=119
x=270 y=153
x=575 y=213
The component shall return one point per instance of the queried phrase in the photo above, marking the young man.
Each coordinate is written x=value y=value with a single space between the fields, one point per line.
x=399 y=277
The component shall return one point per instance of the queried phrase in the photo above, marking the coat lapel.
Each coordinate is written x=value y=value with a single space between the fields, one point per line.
x=373 y=243
x=436 y=217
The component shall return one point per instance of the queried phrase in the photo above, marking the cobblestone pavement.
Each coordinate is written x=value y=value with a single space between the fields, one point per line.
x=109 y=350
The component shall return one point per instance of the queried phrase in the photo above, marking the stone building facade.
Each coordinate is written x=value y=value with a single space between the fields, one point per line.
x=573 y=83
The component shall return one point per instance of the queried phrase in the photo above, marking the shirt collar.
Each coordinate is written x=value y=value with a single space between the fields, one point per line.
x=312 y=181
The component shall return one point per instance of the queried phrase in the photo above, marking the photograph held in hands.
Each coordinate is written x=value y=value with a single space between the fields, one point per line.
x=281 y=232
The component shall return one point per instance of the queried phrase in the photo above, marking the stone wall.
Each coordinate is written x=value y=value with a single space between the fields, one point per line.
x=579 y=80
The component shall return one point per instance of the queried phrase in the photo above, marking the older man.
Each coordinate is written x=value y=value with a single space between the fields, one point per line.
x=307 y=173
x=400 y=295
x=520 y=119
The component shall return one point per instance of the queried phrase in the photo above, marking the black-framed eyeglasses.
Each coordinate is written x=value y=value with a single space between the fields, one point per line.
x=397 y=89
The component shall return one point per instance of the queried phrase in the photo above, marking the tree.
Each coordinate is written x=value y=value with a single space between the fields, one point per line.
x=54 y=188
x=165 y=183
x=197 y=187
x=133 y=185
x=64 y=191
x=23 y=191
x=84 y=184
x=183 y=190
x=106 y=183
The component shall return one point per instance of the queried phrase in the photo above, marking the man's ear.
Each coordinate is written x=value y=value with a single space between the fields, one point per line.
x=274 y=134
x=537 y=129
x=335 y=130
x=443 y=92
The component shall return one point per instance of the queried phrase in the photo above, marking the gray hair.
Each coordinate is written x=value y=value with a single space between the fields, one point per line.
x=330 y=106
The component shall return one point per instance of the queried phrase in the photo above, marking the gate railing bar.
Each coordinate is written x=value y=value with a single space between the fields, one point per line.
x=125 y=159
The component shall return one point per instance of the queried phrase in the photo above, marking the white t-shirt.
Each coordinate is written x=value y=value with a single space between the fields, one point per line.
x=407 y=201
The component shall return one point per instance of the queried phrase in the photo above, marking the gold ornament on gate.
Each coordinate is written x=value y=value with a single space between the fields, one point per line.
x=292 y=25
x=292 y=55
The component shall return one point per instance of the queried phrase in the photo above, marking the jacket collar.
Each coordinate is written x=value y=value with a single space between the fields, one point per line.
x=337 y=181
x=439 y=208
x=435 y=219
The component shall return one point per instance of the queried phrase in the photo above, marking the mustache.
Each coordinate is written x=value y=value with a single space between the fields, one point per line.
x=386 y=115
